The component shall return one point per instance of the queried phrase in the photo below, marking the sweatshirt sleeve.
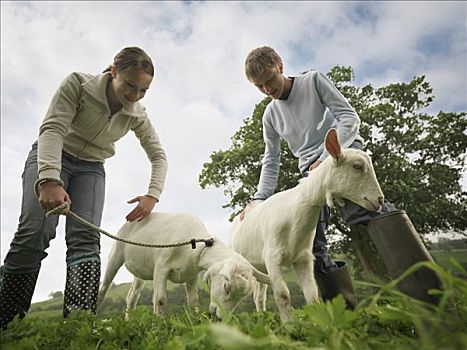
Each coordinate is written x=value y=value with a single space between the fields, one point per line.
x=151 y=144
x=271 y=160
x=348 y=122
x=55 y=125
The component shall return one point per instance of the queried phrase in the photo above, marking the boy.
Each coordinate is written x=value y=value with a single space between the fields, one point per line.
x=302 y=110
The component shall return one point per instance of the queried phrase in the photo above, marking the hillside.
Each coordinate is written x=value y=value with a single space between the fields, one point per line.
x=115 y=300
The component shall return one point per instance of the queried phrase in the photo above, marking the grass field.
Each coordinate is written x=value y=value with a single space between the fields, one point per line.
x=447 y=259
x=385 y=319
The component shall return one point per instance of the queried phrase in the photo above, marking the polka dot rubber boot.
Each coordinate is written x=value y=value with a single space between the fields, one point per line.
x=16 y=291
x=82 y=285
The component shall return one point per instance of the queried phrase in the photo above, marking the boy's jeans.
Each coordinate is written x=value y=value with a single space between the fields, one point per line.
x=353 y=214
x=85 y=184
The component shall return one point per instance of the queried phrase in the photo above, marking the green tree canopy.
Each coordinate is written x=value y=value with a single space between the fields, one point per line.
x=418 y=157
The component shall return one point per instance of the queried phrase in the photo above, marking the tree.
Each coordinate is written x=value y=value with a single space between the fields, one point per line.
x=418 y=159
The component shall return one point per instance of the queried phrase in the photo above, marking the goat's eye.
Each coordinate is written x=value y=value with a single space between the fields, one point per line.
x=358 y=166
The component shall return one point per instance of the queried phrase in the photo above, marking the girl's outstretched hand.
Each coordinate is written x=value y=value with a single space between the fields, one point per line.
x=145 y=206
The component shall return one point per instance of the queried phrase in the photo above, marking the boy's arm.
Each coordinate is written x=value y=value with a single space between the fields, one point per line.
x=348 y=121
x=271 y=161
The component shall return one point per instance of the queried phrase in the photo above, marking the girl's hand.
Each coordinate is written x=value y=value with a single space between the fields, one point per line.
x=51 y=195
x=145 y=206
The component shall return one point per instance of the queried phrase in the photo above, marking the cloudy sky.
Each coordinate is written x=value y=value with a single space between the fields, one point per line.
x=200 y=96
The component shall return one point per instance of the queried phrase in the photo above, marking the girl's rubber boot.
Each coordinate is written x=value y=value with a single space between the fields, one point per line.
x=82 y=286
x=16 y=292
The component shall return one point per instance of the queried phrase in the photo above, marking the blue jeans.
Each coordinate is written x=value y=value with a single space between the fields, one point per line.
x=352 y=214
x=85 y=184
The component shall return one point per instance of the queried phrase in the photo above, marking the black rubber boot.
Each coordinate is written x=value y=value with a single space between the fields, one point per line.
x=82 y=285
x=16 y=292
x=400 y=246
x=335 y=282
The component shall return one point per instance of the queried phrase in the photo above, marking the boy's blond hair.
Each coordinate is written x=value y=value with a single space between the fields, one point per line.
x=258 y=59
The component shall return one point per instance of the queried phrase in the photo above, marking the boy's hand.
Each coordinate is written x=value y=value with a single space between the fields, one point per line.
x=251 y=204
x=145 y=206
x=314 y=165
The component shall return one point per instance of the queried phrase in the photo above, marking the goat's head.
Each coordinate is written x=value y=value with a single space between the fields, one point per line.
x=231 y=281
x=351 y=176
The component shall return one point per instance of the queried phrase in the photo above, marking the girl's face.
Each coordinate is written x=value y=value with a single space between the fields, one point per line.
x=130 y=85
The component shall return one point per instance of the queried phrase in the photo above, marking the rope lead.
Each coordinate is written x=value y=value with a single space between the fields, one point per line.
x=64 y=209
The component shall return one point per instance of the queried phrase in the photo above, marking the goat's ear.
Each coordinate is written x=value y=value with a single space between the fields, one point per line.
x=261 y=277
x=332 y=144
x=207 y=274
x=226 y=272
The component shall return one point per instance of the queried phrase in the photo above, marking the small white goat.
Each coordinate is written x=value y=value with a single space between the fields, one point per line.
x=279 y=232
x=231 y=277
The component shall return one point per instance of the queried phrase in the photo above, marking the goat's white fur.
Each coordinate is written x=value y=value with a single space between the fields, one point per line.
x=232 y=277
x=279 y=232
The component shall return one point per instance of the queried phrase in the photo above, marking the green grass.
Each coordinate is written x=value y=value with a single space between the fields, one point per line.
x=385 y=320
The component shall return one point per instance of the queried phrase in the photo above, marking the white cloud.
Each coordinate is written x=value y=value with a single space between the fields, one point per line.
x=200 y=96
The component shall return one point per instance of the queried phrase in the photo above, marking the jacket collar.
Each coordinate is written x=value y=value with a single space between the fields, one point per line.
x=96 y=87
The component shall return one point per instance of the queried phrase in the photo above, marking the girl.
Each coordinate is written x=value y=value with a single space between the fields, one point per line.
x=87 y=115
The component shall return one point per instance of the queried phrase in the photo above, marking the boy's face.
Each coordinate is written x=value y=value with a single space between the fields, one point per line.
x=271 y=82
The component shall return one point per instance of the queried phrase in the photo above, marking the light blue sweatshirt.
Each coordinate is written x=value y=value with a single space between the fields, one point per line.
x=313 y=107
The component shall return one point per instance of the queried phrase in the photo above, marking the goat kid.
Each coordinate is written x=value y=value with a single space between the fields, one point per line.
x=279 y=232
x=231 y=277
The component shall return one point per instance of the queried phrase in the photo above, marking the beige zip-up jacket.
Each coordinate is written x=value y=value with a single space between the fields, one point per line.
x=78 y=122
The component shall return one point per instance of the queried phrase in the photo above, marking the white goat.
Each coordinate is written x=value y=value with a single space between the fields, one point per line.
x=231 y=277
x=279 y=232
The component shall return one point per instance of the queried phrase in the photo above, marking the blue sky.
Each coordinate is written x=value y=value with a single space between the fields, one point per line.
x=200 y=96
